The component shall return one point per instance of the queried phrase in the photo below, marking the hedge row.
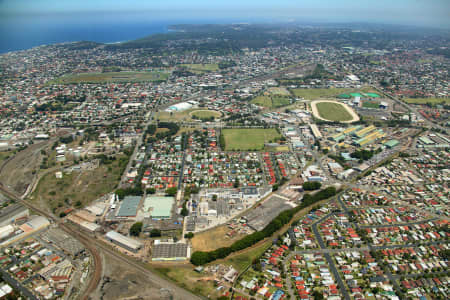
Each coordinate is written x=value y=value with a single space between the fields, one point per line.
x=202 y=257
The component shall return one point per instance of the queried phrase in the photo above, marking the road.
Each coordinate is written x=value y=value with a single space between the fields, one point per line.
x=328 y=257
x=17 y=285
x=413 y=109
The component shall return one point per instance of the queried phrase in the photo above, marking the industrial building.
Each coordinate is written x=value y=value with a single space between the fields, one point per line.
x=179 y=107
x=391 y=144
x=129 y=206
x=370 y=137
x=123 y=241
x=158 y=207
x=365 y=131
x=170 y=251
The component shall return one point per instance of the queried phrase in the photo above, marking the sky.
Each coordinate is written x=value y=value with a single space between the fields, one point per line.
x=433 y=13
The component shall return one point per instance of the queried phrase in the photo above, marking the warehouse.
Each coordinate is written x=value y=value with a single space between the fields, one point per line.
x=170 y=251
x=391 y=144
x=13 y=212
x=158 y=207
x=123 y=241
x=179 y=107
x=129 y=207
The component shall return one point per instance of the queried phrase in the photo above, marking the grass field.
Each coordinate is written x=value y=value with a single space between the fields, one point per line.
x=203 y=114
x=242 y=260
x=333 y=111
x=187 y=278
x=279 y=91
x=111 y=77
x=271 y=102
x=370 y=104
x=201 y=68
x=262 y=101
x=249 y=139
x=5 y=155
x=213 y=239
x=427 y=100
x=314 y=94
x=186 y=115
x=79 y=186
x=174 y=116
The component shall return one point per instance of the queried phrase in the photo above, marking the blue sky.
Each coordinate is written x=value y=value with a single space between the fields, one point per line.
x=413 y=12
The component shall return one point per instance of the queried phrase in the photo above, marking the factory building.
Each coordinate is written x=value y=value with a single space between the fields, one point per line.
x=123 y=241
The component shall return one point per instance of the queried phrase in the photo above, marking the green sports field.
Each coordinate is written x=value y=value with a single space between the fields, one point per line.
x=314 y=94
x=249 y=139
x=271 y=102
x=371 y=104
x=203 y=114
x=201 y=68
x=427 y=100
x=333 y=111
x=111 y=77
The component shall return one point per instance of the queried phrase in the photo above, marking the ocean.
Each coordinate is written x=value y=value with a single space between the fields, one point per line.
x=20 y=32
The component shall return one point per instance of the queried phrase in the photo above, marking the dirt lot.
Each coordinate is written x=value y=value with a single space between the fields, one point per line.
x=17 y=173
x=213 y=239
x=120 y=281
x=78 y=188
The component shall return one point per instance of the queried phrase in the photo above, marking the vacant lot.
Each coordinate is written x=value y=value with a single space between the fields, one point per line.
x=333 y=111
x=427 y=100
x=271 y=102
x=121 y=281
x=187 y=278
x=249 y=139
x=111 y=77
x=313 y=94
x=213 y=239
x=245 y=257
x=79 y=187
x=201 y=68
x=18 y=173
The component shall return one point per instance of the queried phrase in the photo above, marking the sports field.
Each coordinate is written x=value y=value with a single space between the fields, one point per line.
x=271 y=102
x=313 y=94
x=279 y=91
x=370 y=104
x=249 y=139
x=204 y=114
x=333 y=111
x=111 y=77
x=427 y=100
x=201 y=68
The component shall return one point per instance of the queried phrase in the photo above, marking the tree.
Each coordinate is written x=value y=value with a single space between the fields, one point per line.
x=155 y=233
x=236 y=183
x=311 y=185
x=171 y=191
x=189 y=235
x=151 y=190
x=136 y=229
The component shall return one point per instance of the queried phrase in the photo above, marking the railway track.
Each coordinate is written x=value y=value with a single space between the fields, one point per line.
x=95 y=280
